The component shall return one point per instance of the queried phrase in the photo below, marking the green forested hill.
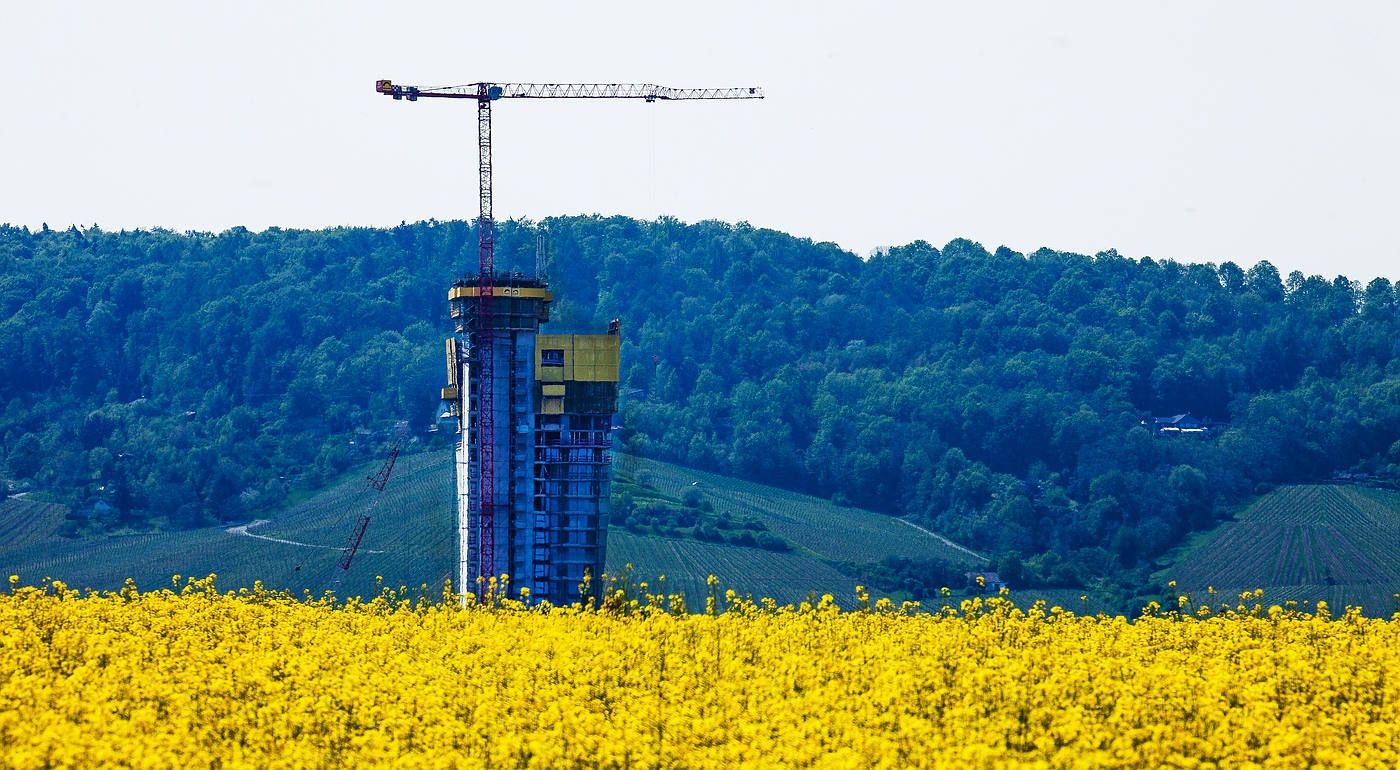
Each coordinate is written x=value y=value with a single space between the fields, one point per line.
x=995 y=397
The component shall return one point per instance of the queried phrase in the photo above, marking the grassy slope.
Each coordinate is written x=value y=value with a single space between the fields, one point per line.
x=822 y=532
x=412 y=527
x=686 y=564
x=1334 y=543
x=829 y=531
x=26 y=522
x=409 y=541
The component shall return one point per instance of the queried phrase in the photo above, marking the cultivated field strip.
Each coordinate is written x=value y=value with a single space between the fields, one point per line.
x=421 y=488
x=412 y=526
x=1376 y=599
x=25 y=522
x=837 y=533
x=105 y=563
x=1266 y=554
x=784 y=577
x=1331 y=505
x=1380 y=504
x=1332 y=543
x=411 y=541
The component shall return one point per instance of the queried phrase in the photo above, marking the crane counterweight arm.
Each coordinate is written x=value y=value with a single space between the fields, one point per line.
x=495 y=91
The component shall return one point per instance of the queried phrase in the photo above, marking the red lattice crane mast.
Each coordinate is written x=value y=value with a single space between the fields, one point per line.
x=484 y=94
x=377 y=482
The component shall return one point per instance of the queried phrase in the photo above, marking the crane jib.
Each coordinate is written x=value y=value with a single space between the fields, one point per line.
x=494 y=91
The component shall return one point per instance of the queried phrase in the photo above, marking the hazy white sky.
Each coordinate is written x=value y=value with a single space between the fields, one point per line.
x=1191 y=131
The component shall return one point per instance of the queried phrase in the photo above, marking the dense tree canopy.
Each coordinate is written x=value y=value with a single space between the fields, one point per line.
x=993 y=395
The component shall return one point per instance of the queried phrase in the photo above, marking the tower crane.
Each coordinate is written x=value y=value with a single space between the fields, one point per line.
x=484 y=94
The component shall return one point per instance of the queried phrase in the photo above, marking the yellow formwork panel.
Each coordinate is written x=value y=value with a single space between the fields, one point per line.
x=554 y=390
x=587 y=357
x=452 y=361
x=609 y=358
x=543 y=342
x=464 y=292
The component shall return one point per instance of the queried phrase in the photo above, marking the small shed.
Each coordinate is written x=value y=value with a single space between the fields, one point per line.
x=1184 y=425
x=992 y=581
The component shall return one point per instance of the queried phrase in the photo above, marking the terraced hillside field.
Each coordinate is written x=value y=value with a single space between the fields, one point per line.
x=26 y=522
x=411 y=536
x=409 y=541
x=1334 y=543
x=833 y=532
x=686 y=564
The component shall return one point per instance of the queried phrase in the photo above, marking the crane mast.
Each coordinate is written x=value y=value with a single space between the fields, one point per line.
x=484 y=93
x=486 y=336
x=377 y=482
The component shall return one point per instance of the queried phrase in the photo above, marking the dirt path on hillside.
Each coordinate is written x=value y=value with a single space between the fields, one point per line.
x=243 y=530
x=940 y=538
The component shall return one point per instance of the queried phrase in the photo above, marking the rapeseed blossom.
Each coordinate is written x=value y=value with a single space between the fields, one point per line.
x=195 y=678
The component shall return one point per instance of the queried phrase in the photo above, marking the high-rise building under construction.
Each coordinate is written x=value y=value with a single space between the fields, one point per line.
x=552 y=399
x=534 y=412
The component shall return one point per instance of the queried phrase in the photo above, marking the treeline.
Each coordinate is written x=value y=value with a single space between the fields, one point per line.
x=1000 y=397
x=192 y=378
x=995 y=396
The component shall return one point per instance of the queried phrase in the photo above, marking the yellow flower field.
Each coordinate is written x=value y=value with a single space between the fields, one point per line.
x=196 y=678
